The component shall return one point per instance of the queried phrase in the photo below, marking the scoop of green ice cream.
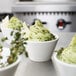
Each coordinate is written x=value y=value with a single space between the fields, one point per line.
x=39 y=33
x=68 y=54
x=15 y=23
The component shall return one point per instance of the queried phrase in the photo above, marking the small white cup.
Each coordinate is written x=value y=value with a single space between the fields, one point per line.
x=10 y=69
x=62 y=68
x=41 y=51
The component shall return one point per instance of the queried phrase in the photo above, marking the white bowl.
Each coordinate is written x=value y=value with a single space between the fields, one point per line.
x=62 y=68
x=10 y=69
x=41 y=51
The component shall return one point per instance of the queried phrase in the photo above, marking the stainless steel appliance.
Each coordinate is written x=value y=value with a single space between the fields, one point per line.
x=58 y=17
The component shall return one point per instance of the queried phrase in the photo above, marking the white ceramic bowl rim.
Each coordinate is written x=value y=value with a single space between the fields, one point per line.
x=61 y=62
x=11 y=65
x=56 y=36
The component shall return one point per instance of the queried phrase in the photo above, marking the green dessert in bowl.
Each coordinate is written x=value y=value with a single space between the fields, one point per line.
x=68 y=54
x=40 y=42
x=11 y=54
x=65 y=59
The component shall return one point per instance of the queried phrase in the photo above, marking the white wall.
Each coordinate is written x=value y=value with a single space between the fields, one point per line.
x=5 y=6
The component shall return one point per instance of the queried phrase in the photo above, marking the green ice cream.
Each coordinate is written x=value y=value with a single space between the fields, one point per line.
x=68 y=54
x=15 y=23
x=39 y=33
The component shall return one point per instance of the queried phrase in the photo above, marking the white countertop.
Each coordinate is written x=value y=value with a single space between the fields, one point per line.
x=30 y=68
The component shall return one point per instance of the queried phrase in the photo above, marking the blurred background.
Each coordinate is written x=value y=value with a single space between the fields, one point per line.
x=57 y=15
